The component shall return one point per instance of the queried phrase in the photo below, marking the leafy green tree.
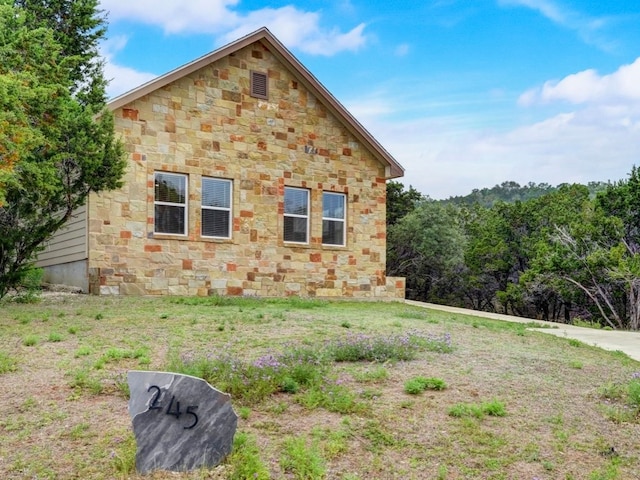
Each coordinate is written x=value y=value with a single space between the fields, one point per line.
x=400 y=201
x=503 y=242
x=426 y=246
x=544 y=295
x=597 y=255
x=57 y=143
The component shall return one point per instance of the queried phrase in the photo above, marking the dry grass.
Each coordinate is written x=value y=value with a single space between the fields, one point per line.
x=63 y=412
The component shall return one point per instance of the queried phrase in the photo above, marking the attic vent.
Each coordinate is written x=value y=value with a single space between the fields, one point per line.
x=259 y=85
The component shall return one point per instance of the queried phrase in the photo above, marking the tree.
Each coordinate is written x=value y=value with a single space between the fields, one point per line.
x=400 y=201
x=57 y=143
x=598 y=255
x=426 y=246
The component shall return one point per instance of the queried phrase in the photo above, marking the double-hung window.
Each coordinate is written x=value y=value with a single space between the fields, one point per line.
x=296 y=215
x=333 y=218
x=216 y=207
x=170 y=203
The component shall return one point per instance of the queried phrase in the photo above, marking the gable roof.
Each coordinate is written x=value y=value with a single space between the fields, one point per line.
x=393 y=168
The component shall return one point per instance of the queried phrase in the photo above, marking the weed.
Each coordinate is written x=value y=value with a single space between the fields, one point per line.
x=30 y=286
x=379 y=436
x=79 y=431
x=609 y=472
x=576 y=364
x=122 y=385
x=332 y=397
x=493 y=408
x=303 y=462
x=82 y=380
x=548 y=466
x=575 y=343
x=7 y=363
x=289 y=385
x=345 y=324
x=443 y=471
x=622 y=400
x=99 y=316
x=124 y=456
x=376 y=374
x=413 y=314
x=333 y=442
x=82 y=351
x=114 y=354
x=578 y=322
x=244 y=412
x=418 y=385
x=30 y=340
x=386 y=348
x=72 y=330
x=55 y=337
x=371 y=394
x=245 y=459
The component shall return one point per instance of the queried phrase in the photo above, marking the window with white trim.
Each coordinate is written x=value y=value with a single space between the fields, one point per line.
x=334 y=218
x=296 y=215
x=170 y=203
x=216 y=207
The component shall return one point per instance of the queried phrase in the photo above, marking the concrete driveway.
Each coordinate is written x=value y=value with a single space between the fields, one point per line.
x=627 y=342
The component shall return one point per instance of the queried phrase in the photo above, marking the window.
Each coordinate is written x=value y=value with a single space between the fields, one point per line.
x=259 y=85
x=170 y=190
x=216 y=207
x=296 y=215
x=333 y=218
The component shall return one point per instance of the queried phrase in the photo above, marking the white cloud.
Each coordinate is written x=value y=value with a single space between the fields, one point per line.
x=300 y=30
x=121 y=79
x=571 y=147
x=588 y=86
x=294 y=27
x=597 y=137
x=175 y=16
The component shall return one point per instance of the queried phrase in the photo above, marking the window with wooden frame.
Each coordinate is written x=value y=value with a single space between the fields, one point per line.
x=170 y=203
x=216 y=207
x=334 y=218
x=259 y=85
x=296 y=215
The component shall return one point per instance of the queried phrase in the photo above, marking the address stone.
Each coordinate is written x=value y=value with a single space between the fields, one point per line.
x=180 y=422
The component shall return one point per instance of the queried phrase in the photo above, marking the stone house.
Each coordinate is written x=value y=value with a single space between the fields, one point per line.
x=245 y=177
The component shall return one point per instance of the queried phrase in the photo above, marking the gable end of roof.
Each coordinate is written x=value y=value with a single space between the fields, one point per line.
x=392 y=168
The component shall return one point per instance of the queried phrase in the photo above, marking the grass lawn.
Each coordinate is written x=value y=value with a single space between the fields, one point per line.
x=442 y=396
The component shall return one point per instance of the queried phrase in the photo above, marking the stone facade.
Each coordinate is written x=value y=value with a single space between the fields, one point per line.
x=206 y=124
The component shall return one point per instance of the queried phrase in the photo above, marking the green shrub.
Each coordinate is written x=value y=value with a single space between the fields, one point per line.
x=30 y=340
x=124 y=456
x=381 y=349
x=302 y=461
x=55 y=337
x=29 y=284
x=493 y=408
x=418 y=385
x=245 y=459
x=7 y=363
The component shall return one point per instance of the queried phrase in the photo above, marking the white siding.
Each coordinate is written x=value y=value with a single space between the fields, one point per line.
x=69 y=244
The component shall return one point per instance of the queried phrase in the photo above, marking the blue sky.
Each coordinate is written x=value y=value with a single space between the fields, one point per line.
x=464 y=93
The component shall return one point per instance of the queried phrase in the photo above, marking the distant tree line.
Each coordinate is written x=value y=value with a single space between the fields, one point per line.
x=556 y=253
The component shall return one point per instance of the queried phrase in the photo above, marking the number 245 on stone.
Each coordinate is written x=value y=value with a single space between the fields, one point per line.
x=171 y=409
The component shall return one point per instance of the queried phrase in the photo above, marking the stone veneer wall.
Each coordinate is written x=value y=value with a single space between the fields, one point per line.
x=207 y=124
